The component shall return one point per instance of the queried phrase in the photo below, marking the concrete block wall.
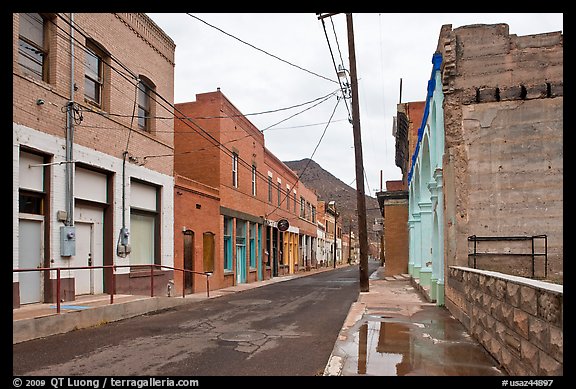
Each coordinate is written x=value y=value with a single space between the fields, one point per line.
x=517 y=320
x=503 y=117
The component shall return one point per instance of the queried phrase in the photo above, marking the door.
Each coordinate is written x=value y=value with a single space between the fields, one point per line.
x=83 y=279
x=240 y=263
x=30 y=256
x=89 y=250
x=274 y=252
x=188 y=258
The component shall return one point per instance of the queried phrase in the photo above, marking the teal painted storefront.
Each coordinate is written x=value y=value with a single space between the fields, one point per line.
x=426 y=223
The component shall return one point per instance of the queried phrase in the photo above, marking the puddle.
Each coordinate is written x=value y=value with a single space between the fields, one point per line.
x=387 y=346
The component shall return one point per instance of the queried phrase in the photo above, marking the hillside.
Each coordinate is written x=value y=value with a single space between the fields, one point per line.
x=328 y=187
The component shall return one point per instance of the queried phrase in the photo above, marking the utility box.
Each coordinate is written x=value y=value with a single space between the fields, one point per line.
x=67 y=241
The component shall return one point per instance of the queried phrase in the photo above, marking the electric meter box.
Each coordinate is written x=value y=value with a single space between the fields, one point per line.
x=67 y=241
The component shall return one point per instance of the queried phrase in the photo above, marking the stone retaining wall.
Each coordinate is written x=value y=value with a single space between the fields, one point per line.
x=518 y=320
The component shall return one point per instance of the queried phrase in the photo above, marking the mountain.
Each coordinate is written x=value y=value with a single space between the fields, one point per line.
x=328 y=188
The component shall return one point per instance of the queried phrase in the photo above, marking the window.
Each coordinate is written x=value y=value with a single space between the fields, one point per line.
x=31 y=202
x=295 y=202
x=227 y=243
x=308 y=210
x=144 y=224
x=32 y=52
x=269 y=189
x=253 y=228
x=279 y=193
x=31 y=184
x=287 y=197
x=235 y=170
x=313 y=214
x=144 y=111
x=253 y=180
x=93 y=75
x=302 y=207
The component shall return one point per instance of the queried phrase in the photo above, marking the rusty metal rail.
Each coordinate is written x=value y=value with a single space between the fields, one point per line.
x=113 y=286
x=475 y=239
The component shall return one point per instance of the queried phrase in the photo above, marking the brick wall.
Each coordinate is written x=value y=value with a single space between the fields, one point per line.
x=396 y=236
x=519 y=321
x=197 y=210
x=100 y=138
x=107 y=134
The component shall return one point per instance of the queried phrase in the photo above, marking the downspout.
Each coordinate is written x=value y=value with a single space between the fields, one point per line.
x=70 y=135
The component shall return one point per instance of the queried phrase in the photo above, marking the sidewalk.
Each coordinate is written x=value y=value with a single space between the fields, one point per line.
x=393 y=331
x=35 y=321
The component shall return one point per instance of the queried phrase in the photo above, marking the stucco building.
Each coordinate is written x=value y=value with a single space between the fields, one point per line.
x=485 y=181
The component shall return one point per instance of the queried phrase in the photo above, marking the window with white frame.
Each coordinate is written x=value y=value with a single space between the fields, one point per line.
x=235 y=170
x=253 y=180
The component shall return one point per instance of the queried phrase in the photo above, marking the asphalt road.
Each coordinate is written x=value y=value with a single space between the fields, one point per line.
x=284 y=329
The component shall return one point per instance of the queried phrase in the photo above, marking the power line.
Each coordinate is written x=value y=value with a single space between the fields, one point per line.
x=263 y=51
x=200 y=131
x=309 y=159
x=335 y=69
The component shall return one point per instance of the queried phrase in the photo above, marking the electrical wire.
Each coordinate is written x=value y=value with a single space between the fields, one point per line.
x=263 y=51
x=200 y=130
x=309 y=159
x=335 y=69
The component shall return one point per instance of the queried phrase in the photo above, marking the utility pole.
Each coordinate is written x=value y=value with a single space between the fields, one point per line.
x=360 y=197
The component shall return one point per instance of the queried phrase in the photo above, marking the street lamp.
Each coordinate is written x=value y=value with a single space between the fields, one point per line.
x=343 y=74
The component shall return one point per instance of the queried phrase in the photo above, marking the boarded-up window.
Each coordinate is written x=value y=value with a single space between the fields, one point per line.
x=208 y=256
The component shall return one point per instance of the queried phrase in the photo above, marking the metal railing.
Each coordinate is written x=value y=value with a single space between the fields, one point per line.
x=58 y=270
x=475 y=239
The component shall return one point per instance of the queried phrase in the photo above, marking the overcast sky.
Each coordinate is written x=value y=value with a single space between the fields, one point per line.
x=388 y=47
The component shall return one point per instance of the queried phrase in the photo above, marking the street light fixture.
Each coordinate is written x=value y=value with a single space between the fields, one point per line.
x=343 y=74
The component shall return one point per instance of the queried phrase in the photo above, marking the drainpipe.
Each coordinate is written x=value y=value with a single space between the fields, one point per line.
x=70 y=136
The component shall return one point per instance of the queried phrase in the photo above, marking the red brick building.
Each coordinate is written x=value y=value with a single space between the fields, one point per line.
x=216 y=145
x=88 y=189
x=288 y=199
x=196 y=216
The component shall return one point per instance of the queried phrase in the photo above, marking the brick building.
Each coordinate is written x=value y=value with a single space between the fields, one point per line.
x=393 y=205
x=288 y=199
x=216 y=146
x=196 y=236
x=86 y=188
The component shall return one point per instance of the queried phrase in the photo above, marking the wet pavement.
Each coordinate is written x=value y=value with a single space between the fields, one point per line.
x=393 y=331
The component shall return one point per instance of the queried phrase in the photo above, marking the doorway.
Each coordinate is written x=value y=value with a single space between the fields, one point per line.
x=188 y=259
x=30 y=257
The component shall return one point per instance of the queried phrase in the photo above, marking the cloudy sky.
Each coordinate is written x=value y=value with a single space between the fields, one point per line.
x=284 y=62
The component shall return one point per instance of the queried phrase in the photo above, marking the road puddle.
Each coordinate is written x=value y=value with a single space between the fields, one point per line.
x=384 y=345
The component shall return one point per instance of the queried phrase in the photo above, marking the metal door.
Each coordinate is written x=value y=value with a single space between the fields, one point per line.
x=29 y=257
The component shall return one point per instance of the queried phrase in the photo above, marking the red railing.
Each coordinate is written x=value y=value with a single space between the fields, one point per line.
x=113 y=286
